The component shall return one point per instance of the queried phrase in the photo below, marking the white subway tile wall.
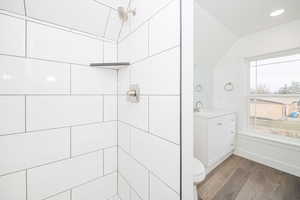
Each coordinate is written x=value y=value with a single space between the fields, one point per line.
x=169 y=17
x=167 y=109
x=58 y=119
x=62 y=196
x=13 y=186
x=124 y=137
x=12 y=114
x=149 y=131
x=110 y=53
x=29 y=76
x=93 y=81
x=110 y=160
x=134 y=173
x=44 y=112
x=89 y=138
x=134 y=114
x=103 y=188
x=14 y=28
x=44 y=181
x=16 y=6
x=110 y=108
x=135 y=47
x=114 y=26
x=123 y=188
x=23 y=151
x=158 y=191
x=66 y=130
x=68 y=13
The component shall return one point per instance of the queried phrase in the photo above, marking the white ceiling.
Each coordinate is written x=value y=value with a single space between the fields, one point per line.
x=248 y=16
x=97 y=17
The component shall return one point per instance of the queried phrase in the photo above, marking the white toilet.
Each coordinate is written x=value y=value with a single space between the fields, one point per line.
x=198 y=175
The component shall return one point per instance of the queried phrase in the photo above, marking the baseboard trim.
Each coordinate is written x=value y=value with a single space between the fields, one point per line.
x=259 y=151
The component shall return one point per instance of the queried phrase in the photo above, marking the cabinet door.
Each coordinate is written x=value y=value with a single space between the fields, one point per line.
x=230 y=129
x=220 y=138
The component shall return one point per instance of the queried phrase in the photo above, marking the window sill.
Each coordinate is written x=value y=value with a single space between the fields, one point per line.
x=272 y=137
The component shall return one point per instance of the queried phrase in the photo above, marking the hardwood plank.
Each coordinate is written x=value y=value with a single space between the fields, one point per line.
x=261 y=183
x=289 y=189
x=231 y=189
x=217 y=178
x=241 y=179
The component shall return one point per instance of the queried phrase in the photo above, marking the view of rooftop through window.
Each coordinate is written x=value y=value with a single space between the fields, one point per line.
x=274 y=99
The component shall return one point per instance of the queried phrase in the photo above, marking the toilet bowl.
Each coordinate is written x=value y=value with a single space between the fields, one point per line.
x=198 y=175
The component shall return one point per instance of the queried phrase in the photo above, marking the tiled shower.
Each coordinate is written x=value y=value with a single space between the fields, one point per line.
x=67 y=131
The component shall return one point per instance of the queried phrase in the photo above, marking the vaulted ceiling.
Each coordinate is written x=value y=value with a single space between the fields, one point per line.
x=96 y=17
x=248 y=16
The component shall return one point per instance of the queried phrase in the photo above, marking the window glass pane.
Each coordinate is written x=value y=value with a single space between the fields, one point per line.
x=253 y=80
x=252 y=113
x=283 y=78
x=279 y=115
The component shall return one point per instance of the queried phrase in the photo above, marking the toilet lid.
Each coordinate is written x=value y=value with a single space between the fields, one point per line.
x=198 y=167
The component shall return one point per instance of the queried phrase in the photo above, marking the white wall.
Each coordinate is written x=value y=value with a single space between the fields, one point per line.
x=149 y=135
x=58 y=120
x=233 y=67
x=212 y=41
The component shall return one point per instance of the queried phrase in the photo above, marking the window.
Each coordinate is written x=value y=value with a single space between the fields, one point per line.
x=274 y=95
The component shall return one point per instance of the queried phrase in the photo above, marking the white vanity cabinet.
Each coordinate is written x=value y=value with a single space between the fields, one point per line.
x=214 y=137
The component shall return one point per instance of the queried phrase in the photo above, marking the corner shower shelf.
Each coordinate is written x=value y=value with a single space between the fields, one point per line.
x=118 y=65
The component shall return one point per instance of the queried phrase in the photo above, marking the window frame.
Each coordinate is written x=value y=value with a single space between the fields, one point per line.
x=248 y=85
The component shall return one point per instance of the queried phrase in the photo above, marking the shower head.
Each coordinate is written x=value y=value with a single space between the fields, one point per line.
x=124 y=13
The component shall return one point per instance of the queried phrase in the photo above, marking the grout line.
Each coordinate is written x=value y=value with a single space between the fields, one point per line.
x=87 y=65
x=26 y=183
x=26 y=38
x=57 y=161
x=11 y=13
x=120 y=31
x=70 y=77
x=25 y=117
x=104 y=4
x=103 y=53
x=166 y=184
x=77 y=186
x=26 y=28
x=130 y=190
x=117 y=129
x=149 y=38
x=130 y=187
x=58 y=95
x=107 y=22
x=149 y=185
x=146 y=168
x=159 y=95
x=180 y=120
x=103 y=109
x=155 y=54
x=123 y=23
x=70 y=142
x=54 y=61
x=152 y=134
x=54 y=25
x=103 y=163
x=148 y=114
x=63 y=127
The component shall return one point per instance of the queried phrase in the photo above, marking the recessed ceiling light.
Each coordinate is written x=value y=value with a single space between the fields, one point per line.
x=277 y=13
